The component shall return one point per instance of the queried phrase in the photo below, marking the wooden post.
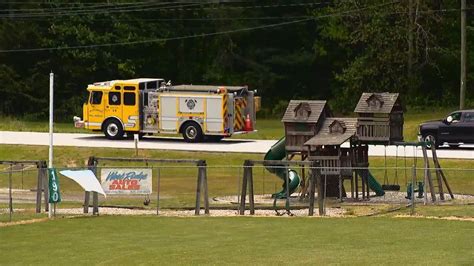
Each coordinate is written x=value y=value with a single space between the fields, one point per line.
x=95 y=203
x=439 y=173
x=447 y=185
x=86 y=201
x=10 y=198
x=287 y=189
x=312 y=187
x=92 y=165
x=356 y=160
x=352 y=184
x=45 y=187
x=428 y=173
x=320 y=185
x=250 y=186
x=366 y=170
x=158 y=193
x=413 y=182
x=243 y=191
x=304 y=181
x=203 y=168
x=340 y=172
x=198 y=193
x=39 y=188
x=362 y=177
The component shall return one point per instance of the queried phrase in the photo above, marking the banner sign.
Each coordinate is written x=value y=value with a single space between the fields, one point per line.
x=54 y=196
x=126 y=181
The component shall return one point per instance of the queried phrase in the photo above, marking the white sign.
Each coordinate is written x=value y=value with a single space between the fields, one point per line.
x=85 y=178
x=126 y=181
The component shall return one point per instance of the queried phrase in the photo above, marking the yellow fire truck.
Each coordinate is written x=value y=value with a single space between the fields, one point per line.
x=149 y=106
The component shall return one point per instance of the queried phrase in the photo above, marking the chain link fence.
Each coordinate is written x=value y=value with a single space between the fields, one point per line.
x=177 y=190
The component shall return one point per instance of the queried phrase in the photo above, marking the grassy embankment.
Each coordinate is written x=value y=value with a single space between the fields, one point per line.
x=238 y=240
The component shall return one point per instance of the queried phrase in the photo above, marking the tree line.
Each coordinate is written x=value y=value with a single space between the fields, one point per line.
x=285 y=49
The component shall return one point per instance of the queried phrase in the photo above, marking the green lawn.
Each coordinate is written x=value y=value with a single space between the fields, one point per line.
x=267 y=128
x=443 y=210
x=238 y=240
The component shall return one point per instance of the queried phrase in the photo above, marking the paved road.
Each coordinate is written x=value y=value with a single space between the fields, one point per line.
x=228 y=145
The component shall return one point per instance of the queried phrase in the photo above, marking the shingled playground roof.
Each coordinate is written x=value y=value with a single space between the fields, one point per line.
x=326 y=137
x=315 y=110
x=386 y=102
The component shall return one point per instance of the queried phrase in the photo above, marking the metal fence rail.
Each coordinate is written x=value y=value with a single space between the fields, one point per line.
x=192 y=186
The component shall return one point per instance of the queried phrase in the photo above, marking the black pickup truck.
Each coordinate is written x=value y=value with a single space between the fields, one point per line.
x=456 y=128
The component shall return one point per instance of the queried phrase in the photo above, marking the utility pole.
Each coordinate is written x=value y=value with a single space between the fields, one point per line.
x=51 y=105
x=410 y=46
x=462 y=94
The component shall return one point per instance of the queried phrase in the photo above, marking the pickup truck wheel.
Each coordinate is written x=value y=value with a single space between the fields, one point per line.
x=430 y=138
x=113 y=129
x=192 y=132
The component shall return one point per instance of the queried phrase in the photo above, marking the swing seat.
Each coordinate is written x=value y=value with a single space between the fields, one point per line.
x=391 y=187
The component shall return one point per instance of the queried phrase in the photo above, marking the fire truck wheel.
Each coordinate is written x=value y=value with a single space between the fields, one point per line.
x=192 y=132
x=113 y=129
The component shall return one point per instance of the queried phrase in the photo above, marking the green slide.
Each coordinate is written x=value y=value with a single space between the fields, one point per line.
x=375 y=186
x=277 y=153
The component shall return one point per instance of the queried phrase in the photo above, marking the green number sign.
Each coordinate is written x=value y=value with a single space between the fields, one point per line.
x=54 y=196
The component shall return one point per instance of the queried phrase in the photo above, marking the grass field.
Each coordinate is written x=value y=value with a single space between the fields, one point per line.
x=267 y=128
x=238 y=240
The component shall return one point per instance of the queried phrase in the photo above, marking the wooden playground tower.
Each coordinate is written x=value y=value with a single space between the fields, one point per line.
x=314 y=134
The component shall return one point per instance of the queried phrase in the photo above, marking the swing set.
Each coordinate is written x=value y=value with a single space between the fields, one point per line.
x=440 y=176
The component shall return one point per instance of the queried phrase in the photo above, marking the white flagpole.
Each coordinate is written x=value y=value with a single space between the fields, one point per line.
x=50 y=162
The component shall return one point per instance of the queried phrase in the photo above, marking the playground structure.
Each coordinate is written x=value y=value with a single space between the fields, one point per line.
x=333 y=149
x=313 y=134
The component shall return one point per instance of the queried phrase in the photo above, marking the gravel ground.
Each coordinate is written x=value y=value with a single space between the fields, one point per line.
x=389 y=197
x=331 y=212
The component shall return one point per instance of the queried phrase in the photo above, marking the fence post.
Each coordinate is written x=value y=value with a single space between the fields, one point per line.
x=413 y=180
x=87 y=193
x=86 y=201
x=428 y=173
x=203 y=169
x=250 y=186
x=158 y=193
x=10 y=198
x=45 y=186
x=243 y=194
x=287 y=189
x=95 y=196
x=312 y=187
x=321 y=193
x=39 y=187
x=198 y=191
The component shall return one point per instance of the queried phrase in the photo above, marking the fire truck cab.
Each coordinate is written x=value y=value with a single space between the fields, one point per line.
x=149 y=106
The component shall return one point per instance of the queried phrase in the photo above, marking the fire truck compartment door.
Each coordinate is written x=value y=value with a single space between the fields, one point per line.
x=191 y=105
x=214 y=115
x=168 y=113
